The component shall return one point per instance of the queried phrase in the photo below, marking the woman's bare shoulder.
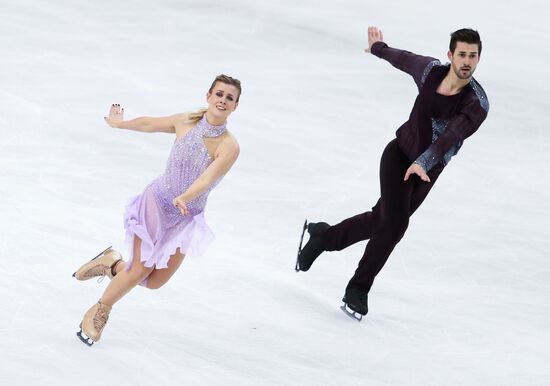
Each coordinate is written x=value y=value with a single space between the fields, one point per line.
x=231 y=142
x=182 y=124
x=229 y=148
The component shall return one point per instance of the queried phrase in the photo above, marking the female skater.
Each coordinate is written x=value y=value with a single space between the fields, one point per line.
x=166 y=221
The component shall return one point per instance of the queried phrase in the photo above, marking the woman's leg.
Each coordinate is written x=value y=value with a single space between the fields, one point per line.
x=124 y=280
x=159 y=277
x=119 y=267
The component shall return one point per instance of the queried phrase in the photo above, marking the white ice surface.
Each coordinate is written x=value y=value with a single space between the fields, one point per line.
x=464 y=298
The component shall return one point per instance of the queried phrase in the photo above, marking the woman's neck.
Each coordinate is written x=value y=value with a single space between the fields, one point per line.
x=213 y=120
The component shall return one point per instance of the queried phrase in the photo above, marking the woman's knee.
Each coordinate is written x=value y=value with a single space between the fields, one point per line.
x=139 y=272
x=152 y=283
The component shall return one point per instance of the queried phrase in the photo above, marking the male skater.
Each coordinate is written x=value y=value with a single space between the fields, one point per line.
x=450 y=106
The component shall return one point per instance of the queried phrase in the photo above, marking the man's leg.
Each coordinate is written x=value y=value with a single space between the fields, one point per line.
x=352 y=230
x=421 y=188
x=394 y=214
x=323 y=237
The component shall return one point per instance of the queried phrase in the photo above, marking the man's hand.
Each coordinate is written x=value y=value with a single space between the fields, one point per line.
x=375 y=35
x=418 y=170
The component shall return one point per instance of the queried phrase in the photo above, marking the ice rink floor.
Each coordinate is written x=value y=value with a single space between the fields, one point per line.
x=464 y=298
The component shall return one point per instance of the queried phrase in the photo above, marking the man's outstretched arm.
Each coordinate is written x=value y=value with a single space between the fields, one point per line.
x=417 y=66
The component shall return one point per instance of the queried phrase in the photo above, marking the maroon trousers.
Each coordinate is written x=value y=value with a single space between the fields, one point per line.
x=386 y=223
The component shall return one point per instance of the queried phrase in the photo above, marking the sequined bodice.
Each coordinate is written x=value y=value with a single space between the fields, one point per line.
x=188 y=159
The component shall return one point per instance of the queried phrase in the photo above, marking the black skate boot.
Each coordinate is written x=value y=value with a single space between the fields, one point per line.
x=313 y=248
x=355 y=303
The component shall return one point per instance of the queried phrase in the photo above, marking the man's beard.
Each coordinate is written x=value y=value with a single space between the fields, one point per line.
x=460 y=75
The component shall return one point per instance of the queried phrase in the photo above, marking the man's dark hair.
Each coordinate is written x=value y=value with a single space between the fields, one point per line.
x=465 y=35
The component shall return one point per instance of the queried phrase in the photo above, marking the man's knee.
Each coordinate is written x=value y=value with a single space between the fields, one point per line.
x=396 y=229
x=400 y=228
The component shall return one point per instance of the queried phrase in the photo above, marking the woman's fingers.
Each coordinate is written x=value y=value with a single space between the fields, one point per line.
x=181 y=206
x=116 y=109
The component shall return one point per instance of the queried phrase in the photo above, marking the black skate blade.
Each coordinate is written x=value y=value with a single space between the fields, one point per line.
x=100 y=254
x=87 y=341
x=297 y=267
x=352 y=314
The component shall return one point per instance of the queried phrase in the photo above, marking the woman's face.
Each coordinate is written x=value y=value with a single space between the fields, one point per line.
x=222 y=101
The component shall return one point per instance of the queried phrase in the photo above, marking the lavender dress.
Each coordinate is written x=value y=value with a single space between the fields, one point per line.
x=156 y=221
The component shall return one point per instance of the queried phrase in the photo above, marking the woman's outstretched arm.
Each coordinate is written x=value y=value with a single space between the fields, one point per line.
x=143 y=124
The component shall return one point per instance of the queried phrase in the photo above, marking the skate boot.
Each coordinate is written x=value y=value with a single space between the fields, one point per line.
x=93 y=323
x=313 y=248
x=100 y=266
x=355 y=303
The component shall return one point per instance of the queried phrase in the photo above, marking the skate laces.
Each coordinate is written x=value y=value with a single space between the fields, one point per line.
x=98 y=270
x=100 y=319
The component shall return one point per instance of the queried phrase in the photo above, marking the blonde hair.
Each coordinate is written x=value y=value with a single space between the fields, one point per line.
x=197 y=115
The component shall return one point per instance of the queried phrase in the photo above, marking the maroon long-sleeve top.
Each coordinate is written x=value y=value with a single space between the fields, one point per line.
x=438 y=124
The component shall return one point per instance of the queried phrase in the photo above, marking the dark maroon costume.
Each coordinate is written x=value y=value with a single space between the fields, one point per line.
x=434 y=132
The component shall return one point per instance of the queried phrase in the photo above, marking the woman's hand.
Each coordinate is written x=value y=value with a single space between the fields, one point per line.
x=116 y=116
x=180 y=203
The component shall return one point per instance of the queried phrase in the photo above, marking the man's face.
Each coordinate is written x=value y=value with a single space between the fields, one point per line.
x=464 y=60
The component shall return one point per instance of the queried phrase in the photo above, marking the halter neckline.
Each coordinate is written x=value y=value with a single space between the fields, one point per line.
x=210 y=131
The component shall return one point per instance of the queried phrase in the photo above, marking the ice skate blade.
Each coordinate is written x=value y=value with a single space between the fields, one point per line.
x=297 y=266
x=352 y=314
x=87 y=341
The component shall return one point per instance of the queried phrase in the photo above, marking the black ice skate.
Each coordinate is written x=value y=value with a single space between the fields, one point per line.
x=355 y=303
x=313 y=248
